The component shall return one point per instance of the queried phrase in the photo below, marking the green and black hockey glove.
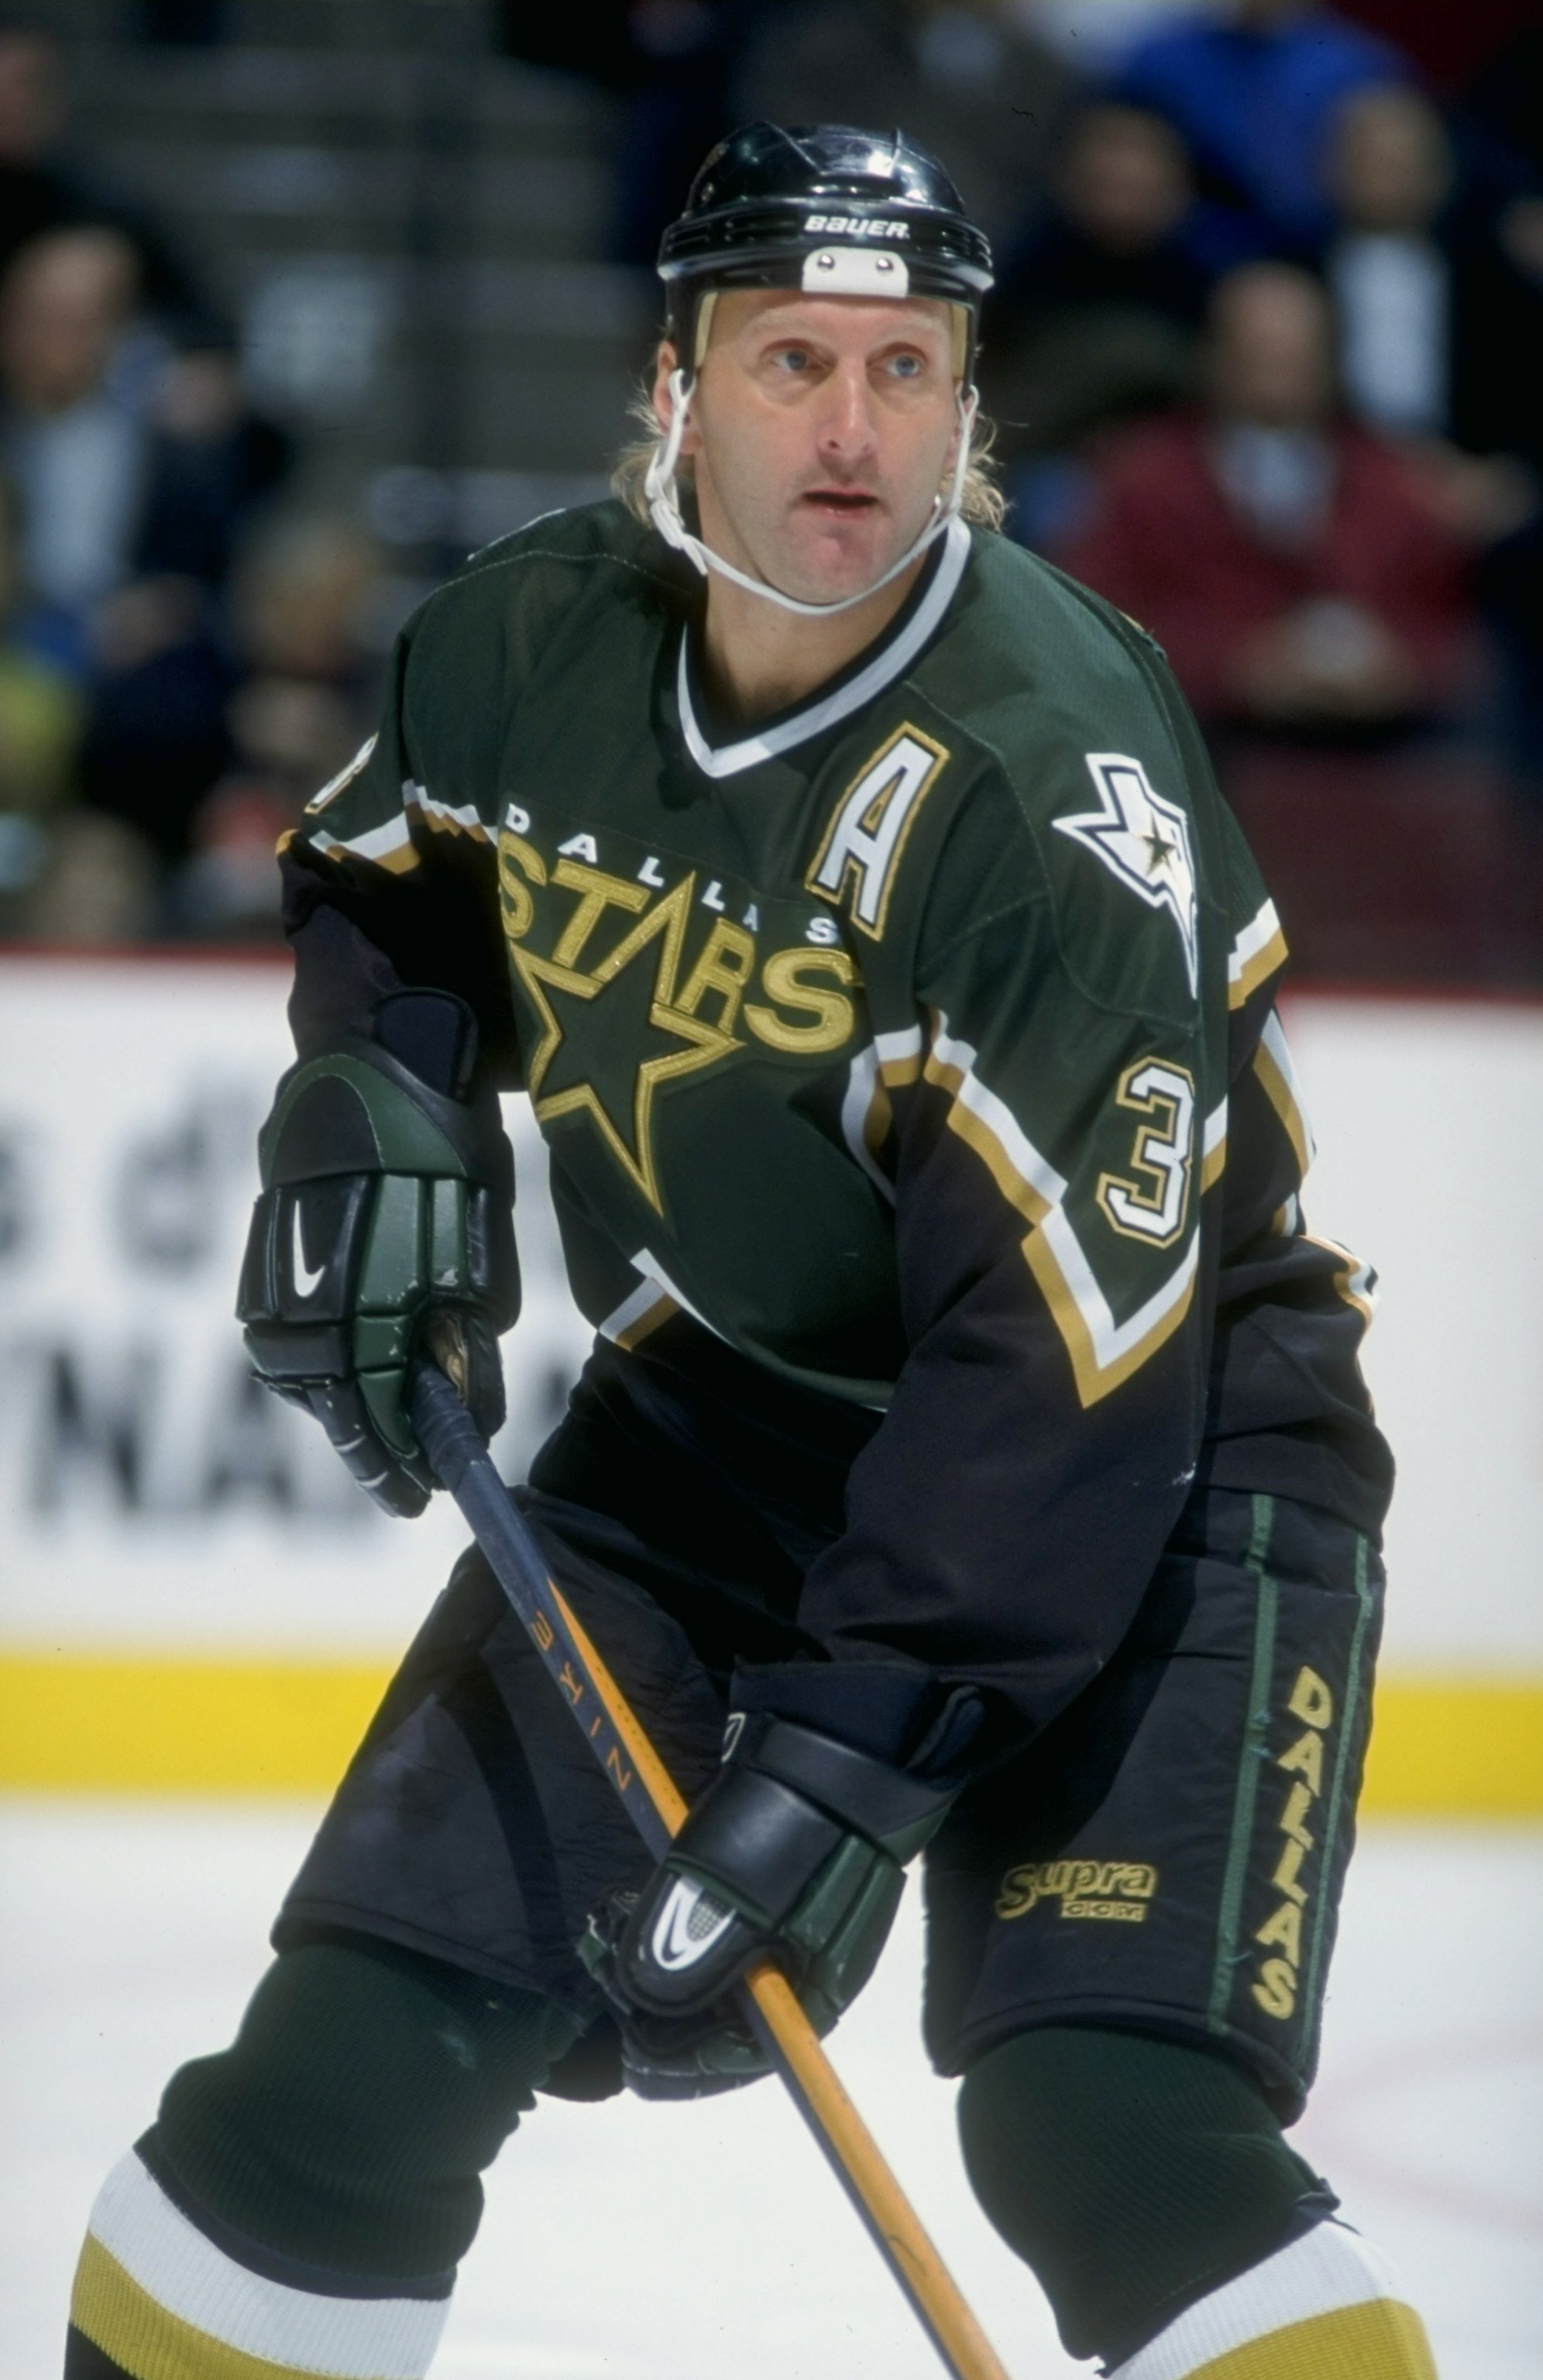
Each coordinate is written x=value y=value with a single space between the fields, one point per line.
x=387 y=1200
x=795 y=1853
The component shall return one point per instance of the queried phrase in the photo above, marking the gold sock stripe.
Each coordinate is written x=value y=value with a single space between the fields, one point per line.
x=150 y=2343
x=171 y=2304
x=1378 y=2339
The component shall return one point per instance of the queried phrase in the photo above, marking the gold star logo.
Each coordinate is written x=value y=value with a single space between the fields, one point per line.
x=610 y=1038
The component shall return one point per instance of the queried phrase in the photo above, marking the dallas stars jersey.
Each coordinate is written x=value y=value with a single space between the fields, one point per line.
x=918 y=1043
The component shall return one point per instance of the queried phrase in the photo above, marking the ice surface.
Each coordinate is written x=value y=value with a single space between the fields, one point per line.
x=630 y=2243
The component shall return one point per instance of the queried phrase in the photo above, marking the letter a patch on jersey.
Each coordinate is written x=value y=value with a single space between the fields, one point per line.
x=1143 y=840
x=866 y=834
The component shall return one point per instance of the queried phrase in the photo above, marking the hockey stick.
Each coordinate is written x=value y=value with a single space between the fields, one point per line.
x=461 y=1462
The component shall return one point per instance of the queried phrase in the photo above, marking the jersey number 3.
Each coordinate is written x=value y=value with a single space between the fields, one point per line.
x=1151 y=1203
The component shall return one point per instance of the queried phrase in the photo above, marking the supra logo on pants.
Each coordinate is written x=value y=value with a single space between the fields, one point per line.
x=688 y=1925
x=1117 y=1889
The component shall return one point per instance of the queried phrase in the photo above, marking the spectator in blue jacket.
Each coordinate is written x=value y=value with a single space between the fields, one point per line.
x=1255 y=92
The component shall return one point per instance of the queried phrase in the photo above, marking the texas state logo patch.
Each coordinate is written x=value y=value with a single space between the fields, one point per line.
x=1144 y=841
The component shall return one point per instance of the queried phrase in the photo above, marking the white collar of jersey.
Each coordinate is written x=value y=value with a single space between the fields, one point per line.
x=663 y=502
x=887 y=663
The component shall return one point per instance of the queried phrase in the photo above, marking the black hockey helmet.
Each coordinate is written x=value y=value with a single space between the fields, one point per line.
x=823 y=207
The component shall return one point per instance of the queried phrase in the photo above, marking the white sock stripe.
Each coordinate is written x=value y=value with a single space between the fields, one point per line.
x=344 y=2339
x=1328 y=2267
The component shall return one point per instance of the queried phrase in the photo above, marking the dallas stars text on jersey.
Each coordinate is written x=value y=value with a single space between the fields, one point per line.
x=918 y=1044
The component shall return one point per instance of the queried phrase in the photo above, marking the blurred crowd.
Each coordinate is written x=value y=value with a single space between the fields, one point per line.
x=181 y=662
x=1265 y=361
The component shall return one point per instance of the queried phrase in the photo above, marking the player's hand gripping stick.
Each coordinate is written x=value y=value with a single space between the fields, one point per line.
x=461 y=1462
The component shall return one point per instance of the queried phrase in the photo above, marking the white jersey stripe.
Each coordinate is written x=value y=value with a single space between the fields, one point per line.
x=647 y=1303
x=1104 y=1352
x=376 y=843
x=890 y=1060
x=383 y=844
x=894 y=659
x=1258 y=949
x=864 y=1090
x=1273 y=1064
x=465 y=817
x=654 y=1275
x=345 y=776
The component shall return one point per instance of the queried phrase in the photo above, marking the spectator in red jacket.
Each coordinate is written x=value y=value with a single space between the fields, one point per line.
x=1293 y=565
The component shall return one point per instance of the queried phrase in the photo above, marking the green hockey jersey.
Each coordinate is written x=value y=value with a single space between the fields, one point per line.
x=919 y=1043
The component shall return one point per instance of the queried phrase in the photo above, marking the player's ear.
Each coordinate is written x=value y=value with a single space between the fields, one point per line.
x=663 y=402
x=961 y=430
x=663 y=365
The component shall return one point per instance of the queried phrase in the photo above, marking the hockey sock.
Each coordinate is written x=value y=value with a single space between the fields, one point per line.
x=301 y=2202
x=1132 y=2174
x=1320 y=2308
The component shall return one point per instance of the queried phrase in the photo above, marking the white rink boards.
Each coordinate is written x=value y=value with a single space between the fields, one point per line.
x=1428 y=1115
x=149 y=1494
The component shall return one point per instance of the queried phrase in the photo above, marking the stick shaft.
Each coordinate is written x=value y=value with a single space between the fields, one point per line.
x=649 y=1794
x=858 y=2163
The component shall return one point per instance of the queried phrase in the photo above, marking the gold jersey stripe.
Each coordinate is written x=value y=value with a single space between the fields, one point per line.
x=977 y=1133
x=444 y=817
x=1258 y=951
x=1378 y=2339
x=1352 y=1281
x=398 y=862
x=879 y=1123
x=151 y=2343
x=1258 y=970
x=1051 y=1251
x=1096 y=1372
x=1097 y=1376
x=644 y=1325
x=1282 y=1098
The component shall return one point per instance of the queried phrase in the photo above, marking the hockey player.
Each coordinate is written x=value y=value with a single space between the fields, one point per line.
x=974 y=1425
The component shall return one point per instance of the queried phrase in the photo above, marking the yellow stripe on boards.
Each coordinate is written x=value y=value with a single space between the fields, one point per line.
x=147 y=2341
x=1378 y=2341
x=1455 y=1748
x=150 y=1723
x=165 y=1723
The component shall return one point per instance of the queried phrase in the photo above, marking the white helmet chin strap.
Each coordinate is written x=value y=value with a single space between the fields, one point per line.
x=659 y=486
